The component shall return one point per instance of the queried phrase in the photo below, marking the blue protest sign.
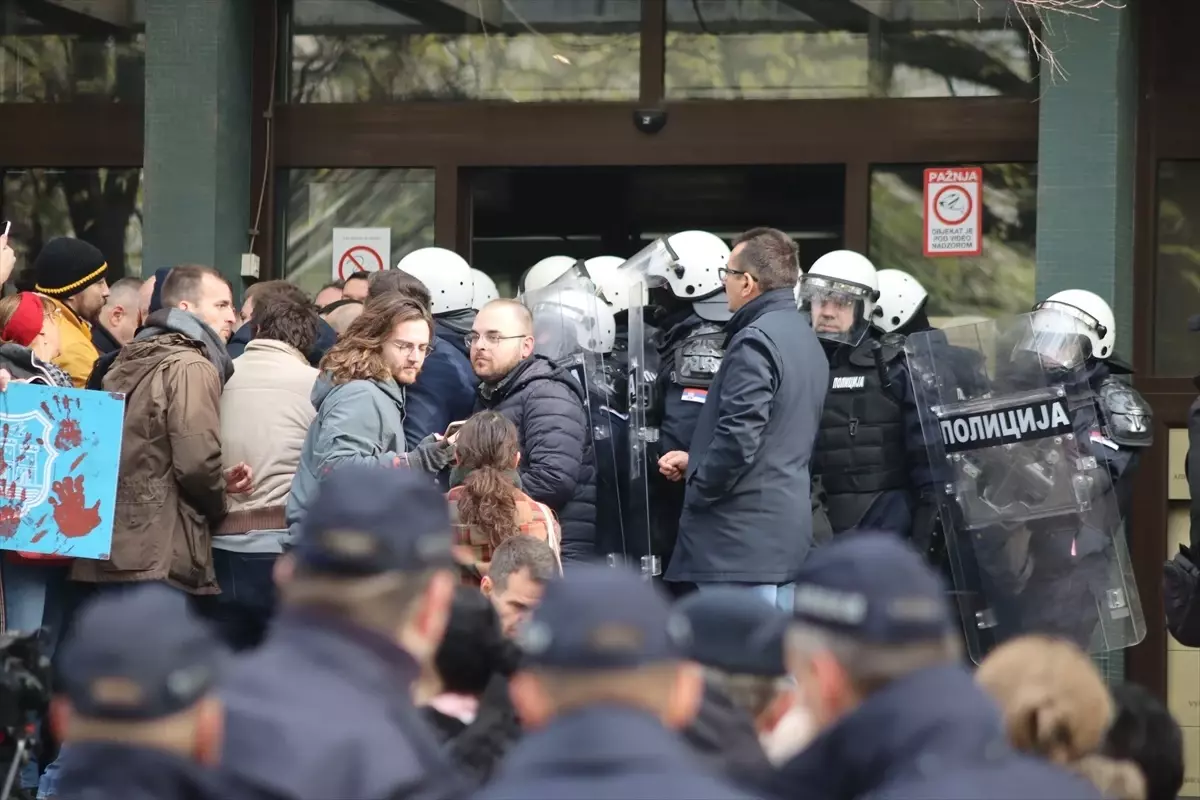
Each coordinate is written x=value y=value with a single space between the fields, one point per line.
x=59 y=455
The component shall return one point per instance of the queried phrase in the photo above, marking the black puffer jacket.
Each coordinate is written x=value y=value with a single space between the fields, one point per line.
x=558 y=467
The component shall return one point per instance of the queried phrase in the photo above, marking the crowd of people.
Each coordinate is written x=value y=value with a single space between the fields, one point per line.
x=656 y=527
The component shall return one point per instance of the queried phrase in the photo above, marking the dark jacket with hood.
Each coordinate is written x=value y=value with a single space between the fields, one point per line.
x=326 y=338
x=171 y=485
x=933 y=735
x=445 y=390
x=747 y=512
x=546 y=404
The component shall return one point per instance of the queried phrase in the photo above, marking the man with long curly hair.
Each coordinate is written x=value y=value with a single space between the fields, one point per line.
x=359 y=398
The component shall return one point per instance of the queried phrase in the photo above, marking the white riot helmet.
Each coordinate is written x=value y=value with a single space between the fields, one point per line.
x=446 y=275
x=546 y=272
x=603 y=272
x=901 y=296
x=484 y=289
x=568 y=320
x=839 y=293
x=689 y=263
x=1065 y=320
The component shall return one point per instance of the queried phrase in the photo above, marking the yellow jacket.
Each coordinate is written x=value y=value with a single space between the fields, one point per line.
x=77 y=354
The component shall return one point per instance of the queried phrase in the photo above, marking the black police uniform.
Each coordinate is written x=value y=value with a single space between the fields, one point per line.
x=870 y=454
x=145 y=642
x=689 y=354
x=321 y=709
x=603 y=620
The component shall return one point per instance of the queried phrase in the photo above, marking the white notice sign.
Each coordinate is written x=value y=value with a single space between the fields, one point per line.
x=360 y=249
x=952 y=211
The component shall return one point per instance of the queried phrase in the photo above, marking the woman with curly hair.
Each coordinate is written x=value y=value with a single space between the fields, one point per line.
x=359 y=398
x=487 y=505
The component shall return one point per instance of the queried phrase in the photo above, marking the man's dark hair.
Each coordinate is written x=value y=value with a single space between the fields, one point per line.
x=183 y=283
x=338 y=284
x=521 y=552
x=284 y=288
x=397 y=280
x=361 y=275
x=280 y=317
x=770 y=256
x=1144 y=732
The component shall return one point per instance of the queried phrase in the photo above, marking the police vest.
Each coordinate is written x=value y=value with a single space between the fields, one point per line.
x=696 y=359
x=861 y=447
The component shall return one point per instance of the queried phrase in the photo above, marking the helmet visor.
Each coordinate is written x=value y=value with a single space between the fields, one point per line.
x=838 y=309
x=1059 y=335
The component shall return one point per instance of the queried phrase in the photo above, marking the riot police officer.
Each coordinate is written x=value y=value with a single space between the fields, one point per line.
x=1039 y=460
x=683 y=333
x=870 y=454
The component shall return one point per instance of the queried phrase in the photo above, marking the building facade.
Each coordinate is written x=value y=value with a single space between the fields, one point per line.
x=171 y=131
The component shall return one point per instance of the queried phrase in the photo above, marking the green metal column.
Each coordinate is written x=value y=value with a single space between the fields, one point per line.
x=1087 y=123
x=1086 y=161
x=198 y=127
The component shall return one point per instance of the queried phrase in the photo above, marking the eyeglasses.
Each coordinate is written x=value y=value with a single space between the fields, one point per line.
x=723 y=272
x=491 y=337
x=407 y=348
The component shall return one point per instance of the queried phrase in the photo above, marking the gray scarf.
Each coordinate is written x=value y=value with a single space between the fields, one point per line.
x=176 y=320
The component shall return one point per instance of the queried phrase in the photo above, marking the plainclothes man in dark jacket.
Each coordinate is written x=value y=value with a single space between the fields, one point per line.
x=119 y=319
x=877 y=661
x=602 y=687
x=137 y=706
x=546 y=404
x=738 y=639
x=445 y=390
x=322 y=709
x=747 y=511
x=326 y=335
x=171 y=488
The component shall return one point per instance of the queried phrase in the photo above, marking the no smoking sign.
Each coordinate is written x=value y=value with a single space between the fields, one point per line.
x=360 y=250
x=952 y=204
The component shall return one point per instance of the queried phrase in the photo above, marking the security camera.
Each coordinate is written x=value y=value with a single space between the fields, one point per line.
x=650 y=120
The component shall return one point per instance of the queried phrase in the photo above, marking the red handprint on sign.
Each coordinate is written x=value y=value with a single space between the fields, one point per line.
x=68 y=436
x=73 y=518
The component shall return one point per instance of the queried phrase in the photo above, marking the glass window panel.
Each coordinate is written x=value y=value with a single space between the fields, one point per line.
x=365 y=51
x=1177 y=268
x=805 y=49
x=102 y=206
x=996 y=283
x=72 y=51
x=315 y=201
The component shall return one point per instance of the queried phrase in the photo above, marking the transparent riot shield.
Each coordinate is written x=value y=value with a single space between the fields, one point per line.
x=645 y=270
x=576 y=329
x=1028 y=507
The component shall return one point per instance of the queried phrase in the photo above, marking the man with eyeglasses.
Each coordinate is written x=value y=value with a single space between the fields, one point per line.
x=546 y=404
x=747 y=512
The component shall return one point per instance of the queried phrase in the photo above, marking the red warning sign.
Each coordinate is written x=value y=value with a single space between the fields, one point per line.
x=359 y=259
x=952 y=206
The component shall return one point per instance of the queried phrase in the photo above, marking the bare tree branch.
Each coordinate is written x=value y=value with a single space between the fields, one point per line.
x=1036 y=16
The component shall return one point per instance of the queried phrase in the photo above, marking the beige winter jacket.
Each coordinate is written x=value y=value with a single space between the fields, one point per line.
x=265 y=413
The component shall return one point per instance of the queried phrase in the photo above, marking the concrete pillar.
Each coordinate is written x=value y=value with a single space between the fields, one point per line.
x=198 y=128
x=1086 y=160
